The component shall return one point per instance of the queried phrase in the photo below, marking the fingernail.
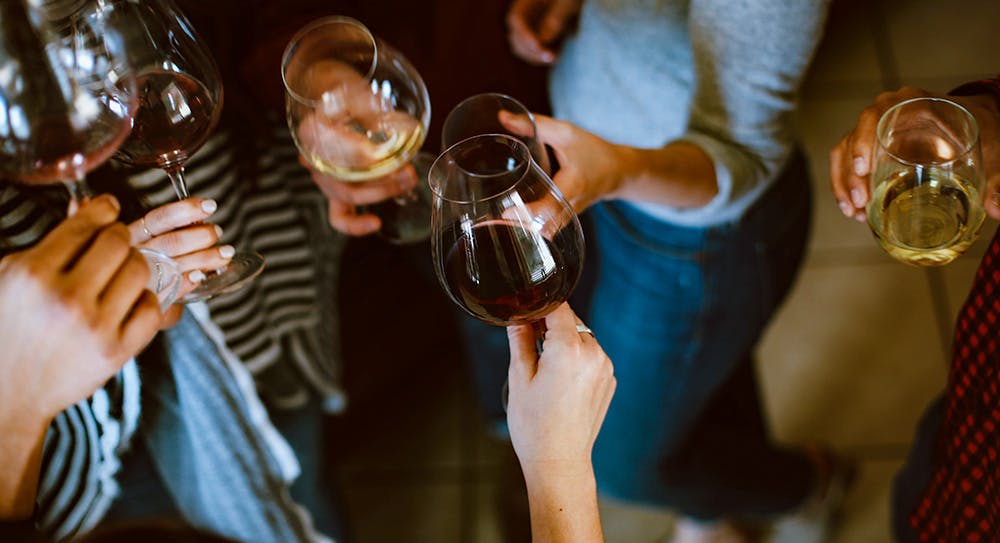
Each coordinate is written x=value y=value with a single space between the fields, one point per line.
x=858 y=197
x=996 y=198
x=197 y=276
x=859 y=166
x=861 y=217
x=218 y=231
x=227 y=251
x=114 y=202
x=846 y=208
x=209 y=206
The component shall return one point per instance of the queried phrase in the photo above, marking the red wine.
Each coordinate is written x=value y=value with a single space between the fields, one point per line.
x=58 y=151
x=503 y=273
x=176 y=114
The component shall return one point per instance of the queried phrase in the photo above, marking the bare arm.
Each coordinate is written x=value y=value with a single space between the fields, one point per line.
x=557 y=404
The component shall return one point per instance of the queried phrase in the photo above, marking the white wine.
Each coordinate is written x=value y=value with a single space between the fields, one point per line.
x=354 y=152
x=925 y=217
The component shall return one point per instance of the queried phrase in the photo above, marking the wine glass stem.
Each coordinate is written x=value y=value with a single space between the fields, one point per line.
x=78 y=192
x=176 y=175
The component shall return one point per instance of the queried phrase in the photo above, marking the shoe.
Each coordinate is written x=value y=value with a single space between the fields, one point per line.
x=724 y=531
x=814 y=521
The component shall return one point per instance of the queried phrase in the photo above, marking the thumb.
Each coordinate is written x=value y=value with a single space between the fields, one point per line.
x=523 y=356
x=558 y=135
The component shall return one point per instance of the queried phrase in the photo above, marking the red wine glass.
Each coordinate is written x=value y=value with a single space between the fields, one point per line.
x=507 y=246
x=179 y=91
x=66 y=104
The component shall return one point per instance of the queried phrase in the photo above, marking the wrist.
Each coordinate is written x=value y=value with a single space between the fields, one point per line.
x=557 y=474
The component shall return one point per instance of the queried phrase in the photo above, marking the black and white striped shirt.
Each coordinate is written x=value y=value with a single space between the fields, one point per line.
x=283 y=326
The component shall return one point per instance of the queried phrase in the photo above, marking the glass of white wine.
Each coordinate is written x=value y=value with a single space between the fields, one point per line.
x=358 y=110
x=926 y=207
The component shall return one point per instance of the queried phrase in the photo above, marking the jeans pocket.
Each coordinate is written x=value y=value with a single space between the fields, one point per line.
x=650 y=234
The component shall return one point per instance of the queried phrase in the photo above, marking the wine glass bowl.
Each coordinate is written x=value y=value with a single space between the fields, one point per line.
x=926 y=206
x=66 y=92
x=507 y=247
x=480 y=114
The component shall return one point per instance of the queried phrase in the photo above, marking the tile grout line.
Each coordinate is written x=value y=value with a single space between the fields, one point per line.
x=883 y=48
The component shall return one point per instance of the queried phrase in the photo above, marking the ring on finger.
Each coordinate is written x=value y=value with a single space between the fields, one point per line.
x=145 y=229
x=584 y=329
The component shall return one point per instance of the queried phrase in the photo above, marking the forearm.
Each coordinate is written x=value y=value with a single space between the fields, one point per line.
x=563 y=505
x=680 y=175
x=20 y=455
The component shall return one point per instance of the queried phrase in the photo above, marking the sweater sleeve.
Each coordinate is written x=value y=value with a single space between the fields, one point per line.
x=750 y=57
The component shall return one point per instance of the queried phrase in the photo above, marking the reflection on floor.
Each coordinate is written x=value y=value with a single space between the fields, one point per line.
x=852 y=359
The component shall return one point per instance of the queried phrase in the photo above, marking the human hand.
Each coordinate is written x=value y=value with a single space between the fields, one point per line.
x=73 y=310
x=851 y=159
x=557 y=400
x=534 y=26
x=590 y=168
x=178 y=230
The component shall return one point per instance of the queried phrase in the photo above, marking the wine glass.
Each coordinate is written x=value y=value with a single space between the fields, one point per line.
x=66 y=104
x=926 y=206
x=179 y=93
x=480 y=114
x=66 y=94
x=357 y=111
x=507 y=246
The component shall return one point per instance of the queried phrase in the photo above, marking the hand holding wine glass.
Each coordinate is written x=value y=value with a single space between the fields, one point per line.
x=180 y=95
x=358 y=112
x=851 y=160
x=494 y=113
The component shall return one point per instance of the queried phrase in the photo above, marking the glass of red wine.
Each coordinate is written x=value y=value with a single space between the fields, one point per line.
x=507 y=246
x=66 y=104
x=179 y=96
x=482 y=114
x=358 y=110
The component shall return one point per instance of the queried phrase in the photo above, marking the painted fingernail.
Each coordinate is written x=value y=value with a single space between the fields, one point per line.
x=858 y=197
x=859 y=166
x=846 y=208
x=227 y=251
x=218 y=230
x=209 y=206
x=197 y=276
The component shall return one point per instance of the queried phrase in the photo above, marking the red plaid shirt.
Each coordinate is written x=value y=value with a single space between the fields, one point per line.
x=962 y=502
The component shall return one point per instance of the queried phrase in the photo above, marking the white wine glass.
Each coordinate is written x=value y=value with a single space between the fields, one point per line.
x=927 y=187
x=358 y=110
x=179 y=96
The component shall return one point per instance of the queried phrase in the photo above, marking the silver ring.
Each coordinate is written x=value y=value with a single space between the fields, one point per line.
x=583 y=329
x=142 y=222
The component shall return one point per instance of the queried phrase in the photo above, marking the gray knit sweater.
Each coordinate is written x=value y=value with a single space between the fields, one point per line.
x=722 y=74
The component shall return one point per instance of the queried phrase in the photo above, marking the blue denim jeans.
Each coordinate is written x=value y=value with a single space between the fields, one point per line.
x=680 y=310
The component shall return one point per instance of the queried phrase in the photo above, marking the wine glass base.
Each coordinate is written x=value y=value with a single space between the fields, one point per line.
x=242 y=269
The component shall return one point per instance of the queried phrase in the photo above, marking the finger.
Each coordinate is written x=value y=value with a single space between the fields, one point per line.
x=524 y=41
x=171 y=217
x=520 y=125
x=554 y=22
x=561 y=324
x=862 y=144
x=838 y=181
x=188 y=240
x=66 y=241
x=124 y=290
x=141 y=325
x=523 y=355
x=369 y=192
x=96 y=267
x=344 y=219
x=212 y=258
x=172 y=316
